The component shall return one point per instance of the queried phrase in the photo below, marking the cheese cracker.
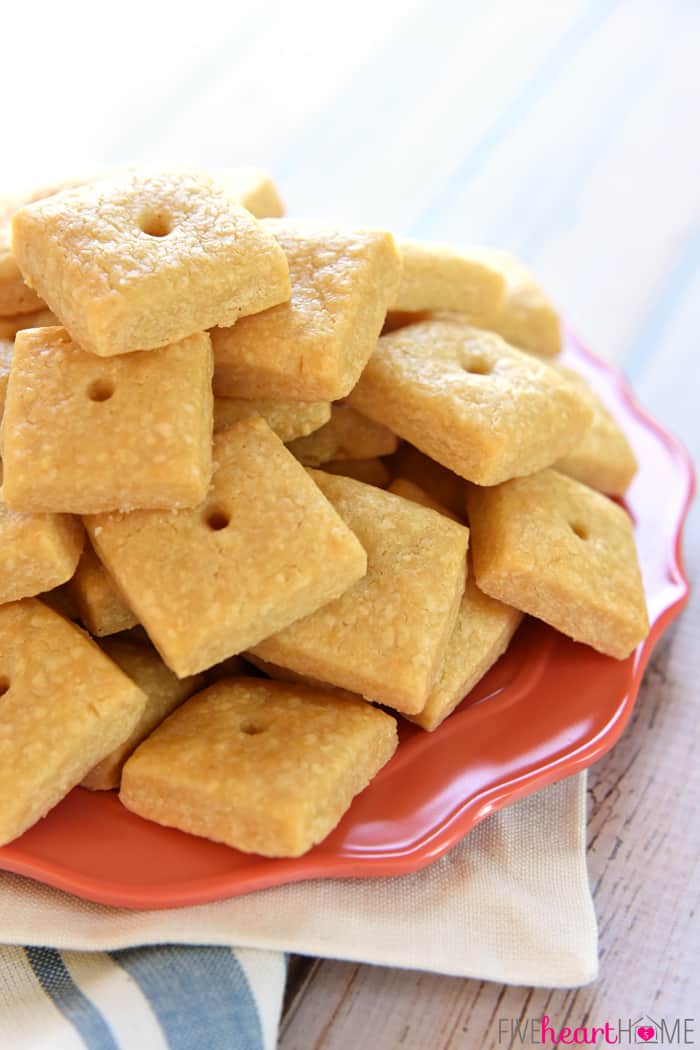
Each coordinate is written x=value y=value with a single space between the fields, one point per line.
x=443 y=486
x=470 y=401
x=481 y=634
x=163 y=690
x=386 y=637
x=438 y=277
x=527 y=318
x=264 y=549
x=84 y=434
x=347 y=435
x=313 y=347
x=265 y=767
x=556 y=549
x=141 y=260
x=254 y=190
x=371 y=471
x=65 y=706
x=602 y=458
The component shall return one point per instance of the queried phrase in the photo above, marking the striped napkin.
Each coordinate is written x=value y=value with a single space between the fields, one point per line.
x=147 y=998
x=510 y=903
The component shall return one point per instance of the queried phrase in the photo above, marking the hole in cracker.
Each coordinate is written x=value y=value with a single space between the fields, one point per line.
x=252 y=728
x=4 y=685
x=477 y=368
x=217 y=519
x=155 y=223
x=100 y=390
x=579 y=530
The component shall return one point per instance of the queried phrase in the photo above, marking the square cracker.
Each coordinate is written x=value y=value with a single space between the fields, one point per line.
x=602 y=458
x=262 y=550
x=163 y=690
x=254 y=190
x=6 y=350
x=65 y=706
x=347 y=435
x=288 y=419
x=15 y=296
x=556 y=549
x=371 y=471
x=37 y=552
x=438 y=277
x=140 y=260
x=9 y=327
x=265 y=767
x=284 y=674
x=152 y=412
x=481 y=634
x=99 y=604
x=527 y=318
x=386 y=637
x=314 y=347
x=470 y=401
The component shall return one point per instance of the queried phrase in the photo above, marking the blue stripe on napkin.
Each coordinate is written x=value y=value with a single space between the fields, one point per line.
x=200 y=995
x=58 y=984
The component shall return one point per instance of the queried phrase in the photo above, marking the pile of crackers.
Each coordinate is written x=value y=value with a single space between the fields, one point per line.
x=268 y=485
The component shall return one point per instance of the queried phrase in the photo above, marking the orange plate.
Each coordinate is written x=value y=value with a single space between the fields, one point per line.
x=548 y=709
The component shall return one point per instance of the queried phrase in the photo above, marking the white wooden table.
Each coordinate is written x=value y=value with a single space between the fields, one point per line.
x=567 y=132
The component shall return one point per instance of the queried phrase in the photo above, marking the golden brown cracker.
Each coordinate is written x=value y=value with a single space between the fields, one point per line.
x=141 y=260
x=163 y=690
x=289 y=419
x=470 y=401
x=602 y=458
x=386 y=637
x=65 y=706
x=347 y=435
x=409 y=490
x=99 y=604
x=481 y=634
x=556 y=549
x=371 y=471
x=313 y=347
x=527 y=318
x=254 y=190
x=440 y=277
x=37 y=552
x=265 y=767
x=262 y=550
x=85 y=434
x=442 y=485
x=10 y=326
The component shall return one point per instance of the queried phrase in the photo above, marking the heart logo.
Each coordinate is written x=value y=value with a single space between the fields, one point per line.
x=646 y=1032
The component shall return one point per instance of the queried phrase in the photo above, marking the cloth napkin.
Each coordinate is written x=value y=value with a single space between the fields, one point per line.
x=510 y=903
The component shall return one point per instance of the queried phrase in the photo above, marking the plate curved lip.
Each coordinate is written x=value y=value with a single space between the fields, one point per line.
x=444 y=835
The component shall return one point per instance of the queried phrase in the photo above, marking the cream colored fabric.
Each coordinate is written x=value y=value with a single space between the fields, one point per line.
x=510 y=903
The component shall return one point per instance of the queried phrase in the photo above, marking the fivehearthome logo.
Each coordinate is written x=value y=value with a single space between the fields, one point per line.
x=622 y=1031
